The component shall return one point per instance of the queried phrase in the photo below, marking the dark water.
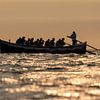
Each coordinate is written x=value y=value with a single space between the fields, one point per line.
x=49 y=77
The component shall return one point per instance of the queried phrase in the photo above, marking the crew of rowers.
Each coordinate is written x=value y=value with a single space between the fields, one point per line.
x=40 y=42
x=48 y=43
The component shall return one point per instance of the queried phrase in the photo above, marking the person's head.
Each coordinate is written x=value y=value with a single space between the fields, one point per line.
x=74 y=32
x=37 y=39
x=41 y=38
x=23 y=37
x=48 y=40
x=28 y=39
x=53 y=39
x=32 y=39
x=63 y=39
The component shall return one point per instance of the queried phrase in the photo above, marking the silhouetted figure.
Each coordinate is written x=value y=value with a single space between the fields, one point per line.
x=52 y=42
x=9 y=41
x=73 y=37
x=36 y=43
x=28 y=42
x=32 y=41
x=23 y=40
x=41 y=42
x=18 y=41
x=60 y=43
x=47 y=43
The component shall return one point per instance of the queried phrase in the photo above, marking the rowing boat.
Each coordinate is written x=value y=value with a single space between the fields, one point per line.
x=7 y=47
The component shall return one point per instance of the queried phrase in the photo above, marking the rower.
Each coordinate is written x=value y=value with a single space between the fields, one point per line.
x=41 y=42
x=47 y=43
x=73 y=37
x=52 y=42
x=60 y=43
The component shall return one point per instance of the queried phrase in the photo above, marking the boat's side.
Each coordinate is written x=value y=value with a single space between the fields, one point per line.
x=6 y=47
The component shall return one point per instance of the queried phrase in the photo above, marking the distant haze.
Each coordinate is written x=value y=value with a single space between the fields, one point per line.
x=50 y=18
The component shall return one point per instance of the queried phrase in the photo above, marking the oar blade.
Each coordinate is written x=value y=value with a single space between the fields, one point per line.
x=91 y=52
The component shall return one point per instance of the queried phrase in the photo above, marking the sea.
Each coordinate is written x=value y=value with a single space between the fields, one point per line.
x=46 y=76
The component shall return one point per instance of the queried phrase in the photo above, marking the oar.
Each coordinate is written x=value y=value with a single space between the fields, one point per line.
x=68 y=44
x=89 y=45
x=90 y=52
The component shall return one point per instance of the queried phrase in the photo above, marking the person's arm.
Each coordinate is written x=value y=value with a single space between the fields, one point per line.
x=69 y=36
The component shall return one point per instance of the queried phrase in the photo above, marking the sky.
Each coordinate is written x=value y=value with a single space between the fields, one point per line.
x=50 y=18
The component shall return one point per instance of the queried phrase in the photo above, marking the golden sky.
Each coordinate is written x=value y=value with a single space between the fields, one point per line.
x=50 y=18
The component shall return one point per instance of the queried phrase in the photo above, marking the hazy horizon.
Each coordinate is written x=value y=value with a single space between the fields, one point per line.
x=50 y=18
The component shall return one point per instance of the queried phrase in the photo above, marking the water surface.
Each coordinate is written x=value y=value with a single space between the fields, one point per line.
x=49 y=77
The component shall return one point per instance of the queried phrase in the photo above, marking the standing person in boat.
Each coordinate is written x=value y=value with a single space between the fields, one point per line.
x=73 y=37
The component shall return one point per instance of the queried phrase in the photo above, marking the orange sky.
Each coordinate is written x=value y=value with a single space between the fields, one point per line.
x=50 y=18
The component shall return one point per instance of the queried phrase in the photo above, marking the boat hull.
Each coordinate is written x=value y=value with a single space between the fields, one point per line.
x=6 y=47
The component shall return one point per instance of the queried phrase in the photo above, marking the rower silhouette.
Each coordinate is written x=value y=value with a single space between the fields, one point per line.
x=73 y=37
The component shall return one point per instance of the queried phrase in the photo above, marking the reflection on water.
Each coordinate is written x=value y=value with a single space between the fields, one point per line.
x=49 y=77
